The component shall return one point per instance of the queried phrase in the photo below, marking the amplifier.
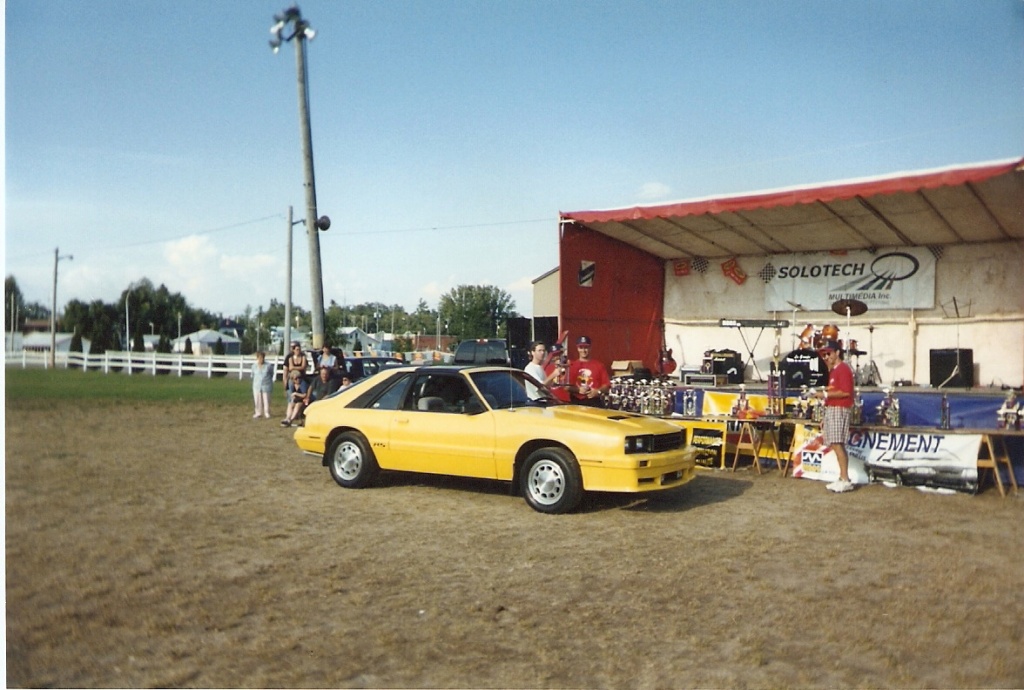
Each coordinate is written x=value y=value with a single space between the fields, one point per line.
x=704 y=379
x=944 y=362
x=728 y=363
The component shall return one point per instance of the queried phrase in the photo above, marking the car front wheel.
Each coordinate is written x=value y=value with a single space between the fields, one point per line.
x=551 y=481
x=351 y=462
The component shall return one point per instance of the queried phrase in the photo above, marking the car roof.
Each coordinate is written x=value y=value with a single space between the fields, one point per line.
x=454 y=368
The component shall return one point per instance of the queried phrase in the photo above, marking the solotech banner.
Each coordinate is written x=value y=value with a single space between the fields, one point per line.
x=886 y=279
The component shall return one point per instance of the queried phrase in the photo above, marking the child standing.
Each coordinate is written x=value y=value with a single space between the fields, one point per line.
x=262 y=385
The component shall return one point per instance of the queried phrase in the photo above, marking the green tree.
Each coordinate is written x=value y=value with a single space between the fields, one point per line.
x=76 y=344
x=423 y=320
x=476 y=311
x=334 y=320
x=14 y=304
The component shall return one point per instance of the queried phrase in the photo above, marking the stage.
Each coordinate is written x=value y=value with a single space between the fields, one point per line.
x=729 y=423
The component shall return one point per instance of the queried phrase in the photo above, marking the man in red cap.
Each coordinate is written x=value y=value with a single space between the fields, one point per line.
x=588 y=379
x=838 y=397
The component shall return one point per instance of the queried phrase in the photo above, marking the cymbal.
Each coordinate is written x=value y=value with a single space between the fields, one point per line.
x=797 y=306
x=855 y=306
x=858 y=352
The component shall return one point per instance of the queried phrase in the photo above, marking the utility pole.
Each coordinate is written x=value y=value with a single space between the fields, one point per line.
x=53 y=312
x=300 y=33
x=288 y=290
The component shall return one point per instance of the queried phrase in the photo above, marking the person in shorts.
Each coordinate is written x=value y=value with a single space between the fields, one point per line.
x=838 y=397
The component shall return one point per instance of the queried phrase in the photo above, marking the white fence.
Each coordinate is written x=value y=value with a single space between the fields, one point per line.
x=142 y=363
x=180 y=364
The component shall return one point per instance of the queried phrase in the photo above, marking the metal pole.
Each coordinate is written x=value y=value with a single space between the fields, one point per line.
x=312 y=231
x=288 y=289
x=127 y=333
x=53 y=312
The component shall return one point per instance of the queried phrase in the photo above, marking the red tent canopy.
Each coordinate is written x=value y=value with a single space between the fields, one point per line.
x=975 y=203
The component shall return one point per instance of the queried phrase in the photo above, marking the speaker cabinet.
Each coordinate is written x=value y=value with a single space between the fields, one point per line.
x=728 y=363
x=545 y=329
x=943 y=362
x=519 y=332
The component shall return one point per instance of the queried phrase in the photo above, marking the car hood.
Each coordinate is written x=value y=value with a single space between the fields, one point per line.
x=581 y=414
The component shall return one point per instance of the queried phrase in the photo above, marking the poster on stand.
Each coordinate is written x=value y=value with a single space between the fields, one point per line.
x=933 y=459
x=909 y=458
x=812 y=459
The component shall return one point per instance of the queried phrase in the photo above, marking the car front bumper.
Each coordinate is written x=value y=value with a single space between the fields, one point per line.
x=641 y=472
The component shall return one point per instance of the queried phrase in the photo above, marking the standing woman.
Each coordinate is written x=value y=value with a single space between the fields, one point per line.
x=262 y=385
x=295 y=360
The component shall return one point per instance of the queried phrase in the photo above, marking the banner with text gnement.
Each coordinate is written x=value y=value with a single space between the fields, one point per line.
x=886 y=279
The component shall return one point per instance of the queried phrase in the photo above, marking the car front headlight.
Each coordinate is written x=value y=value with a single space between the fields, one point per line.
x=639 y=444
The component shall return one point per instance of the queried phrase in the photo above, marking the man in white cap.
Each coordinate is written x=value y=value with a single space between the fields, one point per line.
x=838 y=397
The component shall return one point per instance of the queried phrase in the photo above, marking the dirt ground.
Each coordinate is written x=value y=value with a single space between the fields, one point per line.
x=183 y=545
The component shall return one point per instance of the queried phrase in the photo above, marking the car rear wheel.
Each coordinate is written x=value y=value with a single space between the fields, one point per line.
x=351 y=462
x=551 y=481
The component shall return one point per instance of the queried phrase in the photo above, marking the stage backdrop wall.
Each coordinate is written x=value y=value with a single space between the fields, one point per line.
x=613 y=293
x=985 y=280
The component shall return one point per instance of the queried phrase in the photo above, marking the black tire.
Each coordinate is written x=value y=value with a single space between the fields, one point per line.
x=351 y=462
x=551 y=481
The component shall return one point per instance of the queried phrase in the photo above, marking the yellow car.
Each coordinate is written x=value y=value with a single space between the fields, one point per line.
x=480 y=422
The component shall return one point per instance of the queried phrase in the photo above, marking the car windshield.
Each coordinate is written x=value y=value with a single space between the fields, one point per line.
x=507 y=388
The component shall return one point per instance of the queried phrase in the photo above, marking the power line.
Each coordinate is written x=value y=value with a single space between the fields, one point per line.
x=469 y=226
x=144 y=243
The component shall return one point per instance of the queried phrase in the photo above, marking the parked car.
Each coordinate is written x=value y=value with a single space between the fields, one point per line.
x=480 y=422
x=356 y=367
x=361 y=367
x=483 y=351
x=490 y=351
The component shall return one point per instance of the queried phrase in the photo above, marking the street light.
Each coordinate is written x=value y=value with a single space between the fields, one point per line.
x=301 y=32
x=53 y=312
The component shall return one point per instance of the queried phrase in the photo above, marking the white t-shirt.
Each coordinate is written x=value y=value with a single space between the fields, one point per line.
x=537 y=372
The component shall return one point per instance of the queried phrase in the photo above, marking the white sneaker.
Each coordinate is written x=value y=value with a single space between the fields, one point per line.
x=841 y=486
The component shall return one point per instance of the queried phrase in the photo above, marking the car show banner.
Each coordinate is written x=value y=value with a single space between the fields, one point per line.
x=885 y=279
x=912 y=458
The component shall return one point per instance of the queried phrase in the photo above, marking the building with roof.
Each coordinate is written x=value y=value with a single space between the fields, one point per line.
x=933 y=256
x=205 y=341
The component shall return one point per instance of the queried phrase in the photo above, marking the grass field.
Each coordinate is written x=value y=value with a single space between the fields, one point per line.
x=47 y=385
x=158 y=536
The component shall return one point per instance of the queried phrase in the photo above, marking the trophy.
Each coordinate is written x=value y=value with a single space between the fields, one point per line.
x=889 y=410
x=857 y=412
x=1008 y=416
x=690 y=403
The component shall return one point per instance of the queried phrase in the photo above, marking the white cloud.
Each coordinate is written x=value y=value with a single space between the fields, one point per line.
x=653 y=191
x=189 y=251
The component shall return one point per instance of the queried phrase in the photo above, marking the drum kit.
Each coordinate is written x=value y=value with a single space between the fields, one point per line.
x=804 y=366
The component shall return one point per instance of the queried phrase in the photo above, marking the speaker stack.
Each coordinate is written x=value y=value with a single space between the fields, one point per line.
x=944 y=362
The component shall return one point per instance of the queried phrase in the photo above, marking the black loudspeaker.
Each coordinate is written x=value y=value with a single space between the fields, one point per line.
x=519 y=332
x=728 y=363
x=545 y=329
x=943 y=362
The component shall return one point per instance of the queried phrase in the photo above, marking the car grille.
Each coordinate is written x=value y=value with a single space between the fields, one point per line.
x=666 y=442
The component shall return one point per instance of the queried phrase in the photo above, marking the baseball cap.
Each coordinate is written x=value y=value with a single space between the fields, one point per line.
x=583 y=340
x=830 y=345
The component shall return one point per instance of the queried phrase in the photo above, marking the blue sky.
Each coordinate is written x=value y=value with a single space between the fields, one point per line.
x=160 y=139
